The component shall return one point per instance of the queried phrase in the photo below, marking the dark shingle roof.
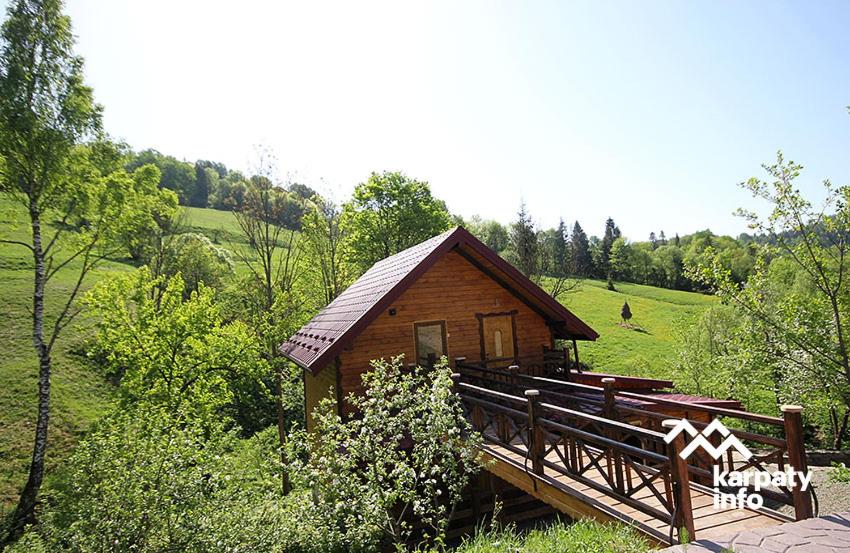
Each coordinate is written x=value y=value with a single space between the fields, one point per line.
x=320 y=340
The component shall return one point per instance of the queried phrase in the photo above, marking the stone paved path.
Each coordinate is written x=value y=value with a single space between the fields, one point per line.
x=826 y=534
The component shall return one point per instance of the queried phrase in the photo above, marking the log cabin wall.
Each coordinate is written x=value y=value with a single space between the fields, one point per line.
x=452 y=290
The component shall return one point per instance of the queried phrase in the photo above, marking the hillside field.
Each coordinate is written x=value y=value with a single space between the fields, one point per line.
x=80 y=394
x=645 y=348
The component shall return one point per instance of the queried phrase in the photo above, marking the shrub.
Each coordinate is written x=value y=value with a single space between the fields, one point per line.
x=406 y=457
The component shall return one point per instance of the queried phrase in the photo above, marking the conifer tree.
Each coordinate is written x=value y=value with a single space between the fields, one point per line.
x=523 y=243
x=582 y=260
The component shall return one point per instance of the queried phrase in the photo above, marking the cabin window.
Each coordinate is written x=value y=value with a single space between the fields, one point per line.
x=430 y=342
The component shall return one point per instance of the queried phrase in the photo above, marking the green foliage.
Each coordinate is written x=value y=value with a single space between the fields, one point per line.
x=839 y=473
x=197 y=260
x=170 y=351
x=406 y=458
x=326 y=241
x=389 y=213
x=492 y=233
x=45 y=109
x=798 y=306
x=145 y=480
x=582 y=261
x=583 y=536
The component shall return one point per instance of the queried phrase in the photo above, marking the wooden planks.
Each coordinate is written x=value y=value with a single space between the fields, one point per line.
x=452 y=290
x=577 y=499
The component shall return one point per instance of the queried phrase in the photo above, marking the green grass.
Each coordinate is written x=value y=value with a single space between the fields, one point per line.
x=649 y=346
x=583 y=536
x=220 y=226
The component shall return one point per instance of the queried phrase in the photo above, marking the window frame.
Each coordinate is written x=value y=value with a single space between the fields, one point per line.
x=443 y=336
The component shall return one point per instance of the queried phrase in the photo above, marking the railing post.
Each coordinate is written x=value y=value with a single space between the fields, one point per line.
x=615 y=463
x=459 y=361
x=535 y=433
x=681 y=484
x=514 y=370
x=792 y=415
x=608 y=407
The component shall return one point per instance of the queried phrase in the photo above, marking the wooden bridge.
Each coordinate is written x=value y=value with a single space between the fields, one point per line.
x=599 y=452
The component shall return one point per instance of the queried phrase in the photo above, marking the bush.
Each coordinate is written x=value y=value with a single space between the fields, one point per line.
x=197 y=260
x=405 y=458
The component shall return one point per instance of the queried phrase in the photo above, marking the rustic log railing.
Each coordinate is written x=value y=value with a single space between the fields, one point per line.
x=576 y=429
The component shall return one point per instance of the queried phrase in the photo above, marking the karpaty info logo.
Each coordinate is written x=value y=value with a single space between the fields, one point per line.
x=732 y=479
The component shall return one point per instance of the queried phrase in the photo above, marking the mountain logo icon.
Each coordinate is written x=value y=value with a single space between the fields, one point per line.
x=701 y=439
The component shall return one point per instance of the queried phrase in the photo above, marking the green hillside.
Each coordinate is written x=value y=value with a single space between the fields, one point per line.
x=647 y=348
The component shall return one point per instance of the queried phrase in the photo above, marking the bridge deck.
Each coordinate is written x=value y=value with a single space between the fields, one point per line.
x=577 y=499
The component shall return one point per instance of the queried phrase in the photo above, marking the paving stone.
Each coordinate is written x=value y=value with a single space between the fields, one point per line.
x=827 y=534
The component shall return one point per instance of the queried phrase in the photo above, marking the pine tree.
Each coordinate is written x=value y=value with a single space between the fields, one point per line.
x=662 y=239
x=560 y=250
x=676 y=240
x=653 y=240
x=582 y=260
x=524 y=244
x=612 y=232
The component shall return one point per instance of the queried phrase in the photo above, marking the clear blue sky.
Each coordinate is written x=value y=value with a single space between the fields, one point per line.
x=649 y=112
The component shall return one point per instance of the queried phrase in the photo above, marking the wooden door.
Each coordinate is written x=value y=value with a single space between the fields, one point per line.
x=498 y=342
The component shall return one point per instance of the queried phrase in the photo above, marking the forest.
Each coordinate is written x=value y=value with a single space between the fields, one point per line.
x=146 y=407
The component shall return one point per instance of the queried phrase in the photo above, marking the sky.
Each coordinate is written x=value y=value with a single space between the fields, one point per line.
x=649 y=112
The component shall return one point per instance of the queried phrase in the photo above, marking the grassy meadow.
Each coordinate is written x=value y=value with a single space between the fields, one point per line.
x=646 y=346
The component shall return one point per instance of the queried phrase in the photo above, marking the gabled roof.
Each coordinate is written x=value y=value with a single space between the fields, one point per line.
x=318 y=342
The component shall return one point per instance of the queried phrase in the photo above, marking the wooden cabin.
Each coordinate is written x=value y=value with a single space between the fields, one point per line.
x=448 y=296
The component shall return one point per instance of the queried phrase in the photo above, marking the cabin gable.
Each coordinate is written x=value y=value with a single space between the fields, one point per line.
x=457 y=292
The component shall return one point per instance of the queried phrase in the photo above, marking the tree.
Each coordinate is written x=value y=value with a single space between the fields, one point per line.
x=524 y=247
x=273 y=259
x=325 y=239
x=391 y=212
x=197 y=260
x=653 y=240
x=172 y=351
x=662 y=239
x=582 y=259
x=45 y=112
x=406 y=458
x=620 y=260
x=801 y=316
x=175 y=175
x=205 y=178
x=612 y=232
x=492 y=233
x=626 y=313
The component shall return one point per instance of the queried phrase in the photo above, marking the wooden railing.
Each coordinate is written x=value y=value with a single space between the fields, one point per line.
x=582 y=431
x=587 y=448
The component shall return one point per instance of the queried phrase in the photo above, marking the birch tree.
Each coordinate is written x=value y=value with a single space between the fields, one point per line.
x=78 y=204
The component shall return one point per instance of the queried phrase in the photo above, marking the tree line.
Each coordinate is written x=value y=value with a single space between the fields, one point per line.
x=568 y=251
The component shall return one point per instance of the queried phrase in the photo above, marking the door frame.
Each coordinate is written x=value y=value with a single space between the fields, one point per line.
x=481 y=316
